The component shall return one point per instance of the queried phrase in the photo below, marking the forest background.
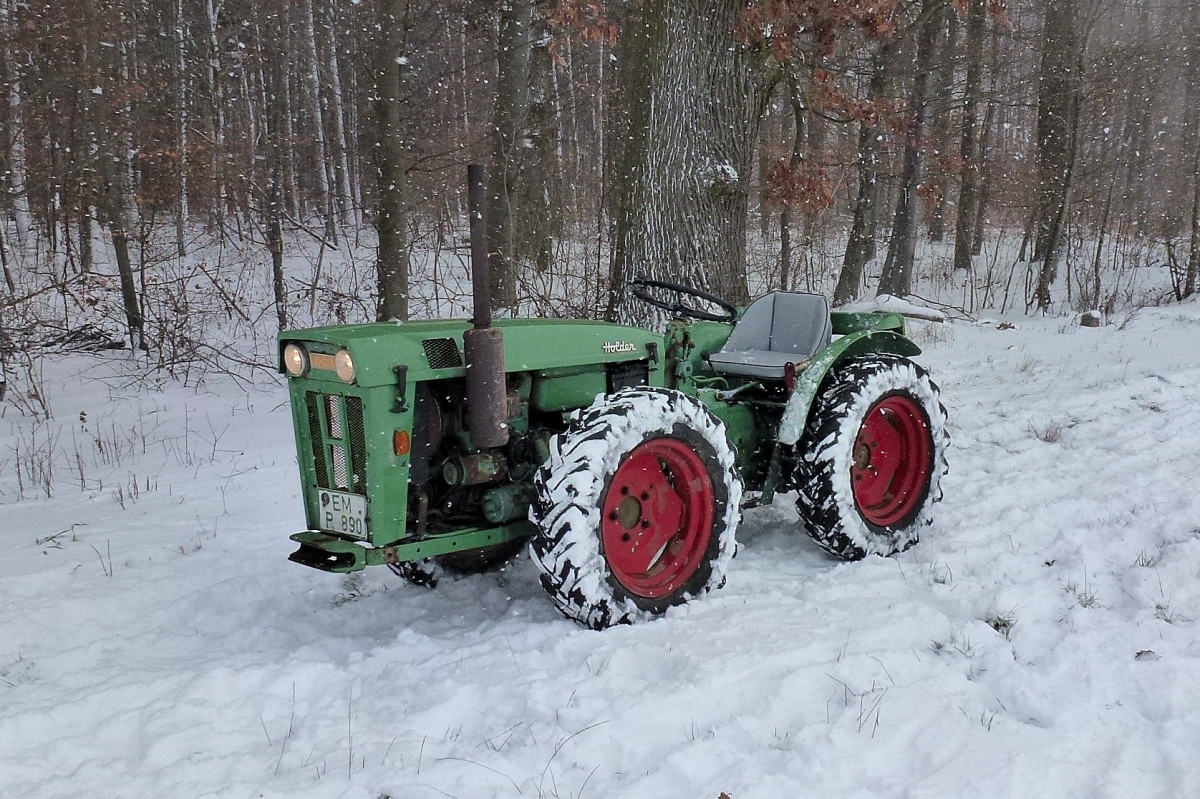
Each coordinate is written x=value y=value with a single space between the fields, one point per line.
x=163 y=158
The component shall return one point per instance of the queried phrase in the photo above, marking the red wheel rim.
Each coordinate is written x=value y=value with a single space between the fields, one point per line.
x=892 y=461
x=657 y=518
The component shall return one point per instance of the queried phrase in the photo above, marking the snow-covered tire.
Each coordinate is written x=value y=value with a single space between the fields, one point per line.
x=483 y=559
x=870 y=462
x=636 y=508
x=428 y=572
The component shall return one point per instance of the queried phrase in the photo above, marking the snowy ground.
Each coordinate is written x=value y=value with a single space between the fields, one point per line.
x=1041 y=640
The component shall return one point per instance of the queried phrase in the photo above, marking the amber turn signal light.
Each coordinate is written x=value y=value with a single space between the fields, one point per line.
x=401 y=443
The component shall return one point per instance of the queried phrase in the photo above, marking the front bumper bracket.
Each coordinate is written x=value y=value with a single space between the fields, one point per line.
x=330 y=553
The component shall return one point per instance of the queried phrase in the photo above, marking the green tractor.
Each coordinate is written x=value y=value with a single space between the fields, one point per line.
x=623 y=457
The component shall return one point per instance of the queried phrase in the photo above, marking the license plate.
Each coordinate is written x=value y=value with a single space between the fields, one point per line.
x=343 y=513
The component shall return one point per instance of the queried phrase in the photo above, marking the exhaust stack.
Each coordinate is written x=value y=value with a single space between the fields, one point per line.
x=483 y=345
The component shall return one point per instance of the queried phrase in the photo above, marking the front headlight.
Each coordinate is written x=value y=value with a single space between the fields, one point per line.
x=295 y=360
x=343 y=364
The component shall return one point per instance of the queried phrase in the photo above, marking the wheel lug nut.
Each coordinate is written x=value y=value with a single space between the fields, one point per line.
x=645 y=525
x=645 y=495
x=626 y=538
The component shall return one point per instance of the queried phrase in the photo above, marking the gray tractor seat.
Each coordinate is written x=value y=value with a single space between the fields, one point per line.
x=779 y=328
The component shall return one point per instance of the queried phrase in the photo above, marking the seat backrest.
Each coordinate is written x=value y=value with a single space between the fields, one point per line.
x=753 y=328
x=783 y=321
x=801 y=323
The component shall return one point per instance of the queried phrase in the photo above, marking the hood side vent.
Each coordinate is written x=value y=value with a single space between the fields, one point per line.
x=442 y=353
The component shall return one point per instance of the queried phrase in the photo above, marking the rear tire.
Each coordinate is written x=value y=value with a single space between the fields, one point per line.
x=872 y=456
x=636 y=508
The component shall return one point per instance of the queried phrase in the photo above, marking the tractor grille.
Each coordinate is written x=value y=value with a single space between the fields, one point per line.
x=335 y=425
x=442 y=353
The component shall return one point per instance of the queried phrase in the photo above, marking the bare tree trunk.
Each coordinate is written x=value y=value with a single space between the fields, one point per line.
x=1192 y=97
x=16 y=138
x=968 y=195
x=12 y=289
x=293 y=197
x=1193 y=269
x=115 y=206
x=132 y=217
x=896 y=278
x=986 y=175
x=796 y=100
x=316 y=114
x=540 y=206
x=277 y=127
x=507 y=136
x=112 y=135
x=275 y=241
x=181 y=210
x=860 y=248
x=391 y=218
x=86 y=256
x=1058 y=101
x=693 y=102
x=348 y=201
x=1093 y=300
x=942 y=116
x=216 y=92
x=1143 y=72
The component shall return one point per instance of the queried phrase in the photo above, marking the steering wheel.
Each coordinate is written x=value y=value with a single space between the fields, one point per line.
x=641 y=290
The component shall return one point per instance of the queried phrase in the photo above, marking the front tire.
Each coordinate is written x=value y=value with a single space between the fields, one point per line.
x=636 y=508
x=872 y=457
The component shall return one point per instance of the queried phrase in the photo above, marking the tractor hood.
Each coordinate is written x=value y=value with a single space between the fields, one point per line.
x=433 y=349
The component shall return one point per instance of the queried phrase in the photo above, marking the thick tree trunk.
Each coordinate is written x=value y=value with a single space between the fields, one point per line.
x=391 y=215
x=693 y=104
x=896 y=278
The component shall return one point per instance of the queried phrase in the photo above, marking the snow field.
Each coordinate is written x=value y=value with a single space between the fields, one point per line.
x=1039 y=641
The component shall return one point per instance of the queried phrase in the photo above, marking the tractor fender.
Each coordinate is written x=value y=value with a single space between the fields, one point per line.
x=808 y=382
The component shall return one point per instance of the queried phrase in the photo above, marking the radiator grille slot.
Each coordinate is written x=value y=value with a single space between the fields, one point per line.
x=320 y=463
x=358 y=444
x=341 y=469
x=335 y=425
x=442 y=353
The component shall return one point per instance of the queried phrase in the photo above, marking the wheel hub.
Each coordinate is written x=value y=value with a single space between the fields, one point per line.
x=657 y=518
x=629 y=512
x=892 y=457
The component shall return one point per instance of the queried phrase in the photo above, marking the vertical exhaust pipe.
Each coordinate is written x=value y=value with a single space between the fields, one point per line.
x=483 y=345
